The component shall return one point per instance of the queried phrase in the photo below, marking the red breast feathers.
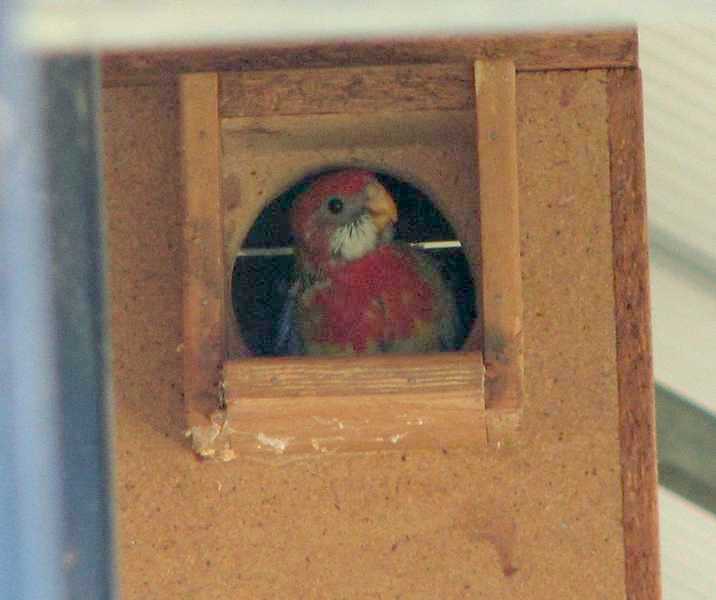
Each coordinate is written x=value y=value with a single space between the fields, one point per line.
x=359 y=292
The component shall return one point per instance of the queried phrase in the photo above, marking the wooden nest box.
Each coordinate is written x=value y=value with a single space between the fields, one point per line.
x=536 y=466
x=439 y=114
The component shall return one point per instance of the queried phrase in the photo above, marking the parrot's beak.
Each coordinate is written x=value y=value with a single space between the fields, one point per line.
x=381 y=206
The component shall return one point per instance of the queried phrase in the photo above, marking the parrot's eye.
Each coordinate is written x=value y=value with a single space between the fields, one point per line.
x=335 y=205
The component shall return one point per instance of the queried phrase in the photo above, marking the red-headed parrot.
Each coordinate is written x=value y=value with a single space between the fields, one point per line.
x=356 y=290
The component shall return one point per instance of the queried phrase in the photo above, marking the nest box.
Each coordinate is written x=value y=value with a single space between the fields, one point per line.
x=437 y=115
x=530 y=149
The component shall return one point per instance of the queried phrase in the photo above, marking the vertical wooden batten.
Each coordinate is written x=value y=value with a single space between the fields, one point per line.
x=204 y=293
x=637 y=428
x=496 y=113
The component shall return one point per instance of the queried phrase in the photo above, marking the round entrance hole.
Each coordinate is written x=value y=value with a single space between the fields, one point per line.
x=263 y=270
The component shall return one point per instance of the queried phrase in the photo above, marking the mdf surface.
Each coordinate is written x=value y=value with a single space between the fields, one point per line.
x=539 y=518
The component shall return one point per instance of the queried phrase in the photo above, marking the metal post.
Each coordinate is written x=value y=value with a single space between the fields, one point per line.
x=55 y=505
x=70 y=105
x=31 y=507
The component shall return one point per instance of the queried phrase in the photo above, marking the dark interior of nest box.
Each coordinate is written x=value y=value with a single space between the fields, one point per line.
x=263 y=270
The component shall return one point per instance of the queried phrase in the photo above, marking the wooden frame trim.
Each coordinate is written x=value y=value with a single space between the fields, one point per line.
x=350 y=89
x=275 y=410
x=500 y=233
x=637 y=429
x=530 y=52
x=204 y=294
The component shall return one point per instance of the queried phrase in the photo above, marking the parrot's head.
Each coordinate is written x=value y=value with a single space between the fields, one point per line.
x=341 y=217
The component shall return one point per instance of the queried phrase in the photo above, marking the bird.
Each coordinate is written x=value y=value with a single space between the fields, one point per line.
x=356 y=290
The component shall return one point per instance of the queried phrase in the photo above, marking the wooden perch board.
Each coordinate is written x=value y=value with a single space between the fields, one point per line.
x=310 y=405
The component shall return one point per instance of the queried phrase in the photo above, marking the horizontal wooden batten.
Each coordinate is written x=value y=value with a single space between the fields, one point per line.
x=347 y=90
x=281 y=133
x=530 y=52
x=319 y=405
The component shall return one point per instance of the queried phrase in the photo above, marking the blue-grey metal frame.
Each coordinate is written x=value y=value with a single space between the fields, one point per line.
x=55 y=479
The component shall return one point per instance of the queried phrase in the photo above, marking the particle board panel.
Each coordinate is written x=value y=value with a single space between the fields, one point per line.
x=347 y=90
x=142 y=189
x=540 y=517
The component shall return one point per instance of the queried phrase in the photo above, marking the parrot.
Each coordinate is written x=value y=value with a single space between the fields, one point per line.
x=355 y=289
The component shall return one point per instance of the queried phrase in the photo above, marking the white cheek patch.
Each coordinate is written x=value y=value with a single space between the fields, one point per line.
x=355 y=239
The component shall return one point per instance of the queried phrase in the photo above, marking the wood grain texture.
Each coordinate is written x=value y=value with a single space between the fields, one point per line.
x=530 y=52
x=378 y=129
x=500 y=233
x=318 y=405
x=637 y=430
x=347 y=90
x=203 y=312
